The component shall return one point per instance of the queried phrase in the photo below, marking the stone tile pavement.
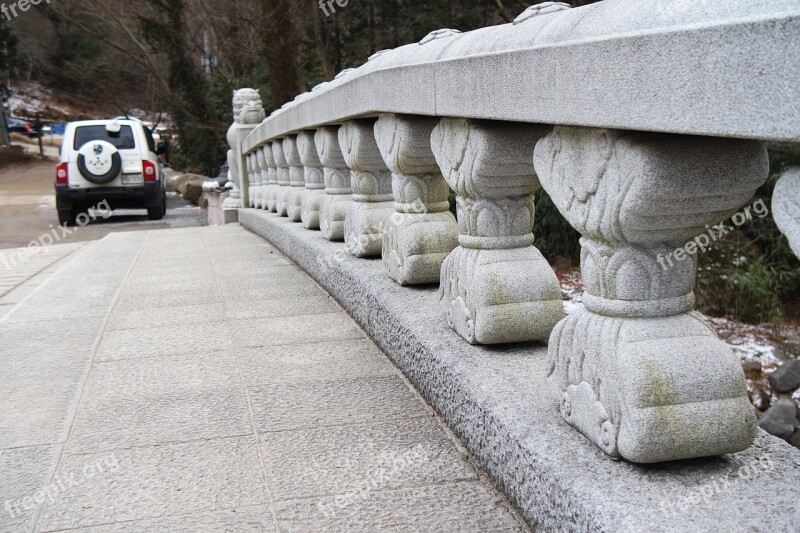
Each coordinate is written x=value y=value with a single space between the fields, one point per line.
x=197 y=380
x=21 y=272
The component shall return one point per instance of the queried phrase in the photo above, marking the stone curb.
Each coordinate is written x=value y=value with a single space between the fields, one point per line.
x=495 y=399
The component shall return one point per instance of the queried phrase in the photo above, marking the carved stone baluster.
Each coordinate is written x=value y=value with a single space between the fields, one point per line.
x=258 y=191
x=373 y=202
x=284 y=178
x=272 y=178
x=422 y=231
x=314 y=180
x=637 y=371
x=255 y=179
x=495 y=287
x=296 y=178
x=338 y=191
x=250 y=160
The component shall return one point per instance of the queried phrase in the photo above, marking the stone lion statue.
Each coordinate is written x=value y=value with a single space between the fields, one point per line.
x=247 y=109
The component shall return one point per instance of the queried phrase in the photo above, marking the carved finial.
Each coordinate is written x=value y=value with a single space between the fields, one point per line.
x=545 y=8
x=377 y=54
x=438 y=34
x=344 y=73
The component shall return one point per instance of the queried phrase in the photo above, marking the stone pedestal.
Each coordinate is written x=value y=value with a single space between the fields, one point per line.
x=421 y=232
x=495 y=286
x=296 y=179
x=284 y=179
x=271 y=194
x=314 y=180
x=338 y=192
x=373 y=202
x=637 y=371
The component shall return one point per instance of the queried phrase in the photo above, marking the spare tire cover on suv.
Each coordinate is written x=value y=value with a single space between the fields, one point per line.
x=99 y=161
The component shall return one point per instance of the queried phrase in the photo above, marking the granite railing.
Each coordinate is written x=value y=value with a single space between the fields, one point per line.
x=646 y=123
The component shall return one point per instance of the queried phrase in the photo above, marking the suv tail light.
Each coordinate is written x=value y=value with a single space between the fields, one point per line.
x=28 y=128
x=149 y=171
x=62 y=174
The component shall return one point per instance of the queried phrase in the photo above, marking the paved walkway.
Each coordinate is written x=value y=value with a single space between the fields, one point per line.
x=196 y=380
x=21 y=271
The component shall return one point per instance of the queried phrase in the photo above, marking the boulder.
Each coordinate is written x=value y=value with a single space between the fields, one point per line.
x=194 y=191
x=177 y=182
x=786 y=377
x=780 y=419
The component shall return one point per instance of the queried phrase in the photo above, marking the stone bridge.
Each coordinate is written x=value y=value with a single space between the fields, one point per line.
x=647 y=125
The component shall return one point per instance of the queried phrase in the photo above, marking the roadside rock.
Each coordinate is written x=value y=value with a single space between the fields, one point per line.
x=786 y=377
x=194 y=192
x=780 y=419
x=177 y=182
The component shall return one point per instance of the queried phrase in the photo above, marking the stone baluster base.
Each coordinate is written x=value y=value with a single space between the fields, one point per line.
x=495 y=287
x=373 y=202
x=284 y=179
x=311 y=197
x=271 y=191
x=297 y=182
x=637 y=371
x=421 y=232
x=338 y=192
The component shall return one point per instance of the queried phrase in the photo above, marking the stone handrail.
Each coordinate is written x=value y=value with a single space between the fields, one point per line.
x=646 y=126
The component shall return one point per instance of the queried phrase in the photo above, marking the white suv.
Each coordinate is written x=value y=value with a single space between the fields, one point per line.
x=115 y=161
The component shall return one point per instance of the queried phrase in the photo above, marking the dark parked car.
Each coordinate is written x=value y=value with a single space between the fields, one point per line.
x=17 y=125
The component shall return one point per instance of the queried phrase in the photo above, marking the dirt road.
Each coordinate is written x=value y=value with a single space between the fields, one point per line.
x=28 y=210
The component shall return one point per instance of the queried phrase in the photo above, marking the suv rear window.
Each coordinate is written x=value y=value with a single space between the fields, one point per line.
x=123 y=140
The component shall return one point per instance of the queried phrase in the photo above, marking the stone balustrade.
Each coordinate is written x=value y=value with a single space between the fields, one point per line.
x=645 y=127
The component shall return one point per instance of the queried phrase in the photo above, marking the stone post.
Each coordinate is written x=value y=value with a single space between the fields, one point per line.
x=248 y=112
x=271 y=200
x=314 y=180
x=373 y=202
x=338 y=192
x=637 y=371
x=496 y=287
x=421 y=232
x=296 y=178
x=284 y=179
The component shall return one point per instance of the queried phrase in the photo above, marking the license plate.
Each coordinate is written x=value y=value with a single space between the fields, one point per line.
x=132 y=179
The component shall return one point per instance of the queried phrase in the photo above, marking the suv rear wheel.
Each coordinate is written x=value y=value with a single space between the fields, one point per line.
x=158 y=211
x=67 y=217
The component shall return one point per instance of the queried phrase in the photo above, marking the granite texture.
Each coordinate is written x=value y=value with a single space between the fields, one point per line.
x=497 y=401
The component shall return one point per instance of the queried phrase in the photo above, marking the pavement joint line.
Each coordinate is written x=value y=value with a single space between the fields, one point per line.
x=243 y=382
x=73 y=412
x=44 y=267
x=389 y=490
x=84 y=246
x=130 y=447
x=160 y=517
x=369 y=423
